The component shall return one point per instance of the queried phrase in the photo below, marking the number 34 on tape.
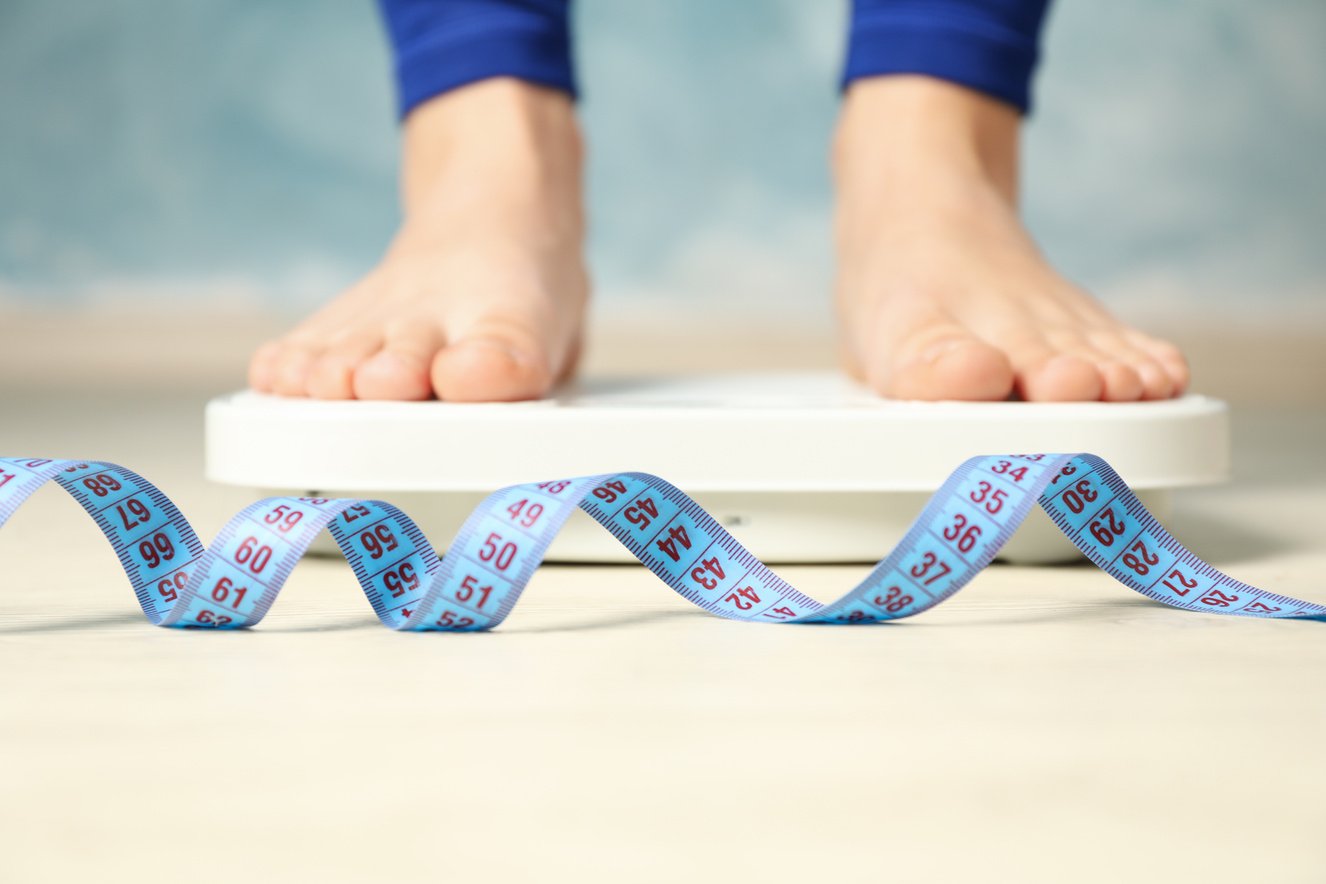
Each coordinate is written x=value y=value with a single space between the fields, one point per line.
x=234 y=582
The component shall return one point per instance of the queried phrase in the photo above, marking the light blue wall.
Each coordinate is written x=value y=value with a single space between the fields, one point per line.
x=194 y=148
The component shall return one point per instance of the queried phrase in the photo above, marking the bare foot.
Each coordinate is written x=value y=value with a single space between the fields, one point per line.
x=941 y=292
x=481 y=295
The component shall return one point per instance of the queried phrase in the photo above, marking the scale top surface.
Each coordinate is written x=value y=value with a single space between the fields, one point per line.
x=767 y=432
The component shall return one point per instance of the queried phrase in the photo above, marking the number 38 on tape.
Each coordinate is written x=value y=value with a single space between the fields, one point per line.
x=234 y=582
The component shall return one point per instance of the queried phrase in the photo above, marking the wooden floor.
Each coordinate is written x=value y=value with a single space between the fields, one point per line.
x=1046 y=725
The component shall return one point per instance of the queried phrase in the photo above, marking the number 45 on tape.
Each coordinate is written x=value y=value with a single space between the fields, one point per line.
x=234 y=582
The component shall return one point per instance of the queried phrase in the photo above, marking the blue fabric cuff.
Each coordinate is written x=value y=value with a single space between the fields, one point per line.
x=430 y=67
x=996 y=63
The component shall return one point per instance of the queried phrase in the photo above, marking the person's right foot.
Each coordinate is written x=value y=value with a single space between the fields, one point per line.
x=482 y=294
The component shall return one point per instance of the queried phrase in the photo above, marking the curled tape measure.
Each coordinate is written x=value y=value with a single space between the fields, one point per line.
x=234 y=582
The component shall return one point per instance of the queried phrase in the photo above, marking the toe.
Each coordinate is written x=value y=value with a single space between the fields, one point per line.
x=956 y=366
x=290 y=377
x=1169 y=357
x=1061 y=377
x=332 y=375
x=494 y=362
x=1154 y=380
x=1121 y=382
x=262 y=367
x=1058 y=367
x=399 y=370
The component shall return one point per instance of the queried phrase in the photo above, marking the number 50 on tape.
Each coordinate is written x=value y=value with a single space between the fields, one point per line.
x=233 y=582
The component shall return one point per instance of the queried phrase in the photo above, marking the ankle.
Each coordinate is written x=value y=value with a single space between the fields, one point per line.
x=898 y=128
x=500 y=130
x=501 y=156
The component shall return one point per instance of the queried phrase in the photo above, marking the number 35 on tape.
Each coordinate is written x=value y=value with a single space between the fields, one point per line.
x=234 y=582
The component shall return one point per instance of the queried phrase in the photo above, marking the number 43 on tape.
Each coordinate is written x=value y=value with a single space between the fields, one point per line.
x=234 y=582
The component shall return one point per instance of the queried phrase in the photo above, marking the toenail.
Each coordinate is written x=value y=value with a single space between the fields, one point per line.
x=516 y=356
x=384 y=363
x=934 y=351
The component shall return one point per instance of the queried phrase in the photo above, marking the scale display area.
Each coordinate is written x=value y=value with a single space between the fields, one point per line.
x=799 y=467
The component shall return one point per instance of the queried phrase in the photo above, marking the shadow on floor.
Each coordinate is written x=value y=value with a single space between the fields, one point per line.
x=76 y=623
x=636 y=618
x=1023 y=614
x=137 y=619
x=1219 y=540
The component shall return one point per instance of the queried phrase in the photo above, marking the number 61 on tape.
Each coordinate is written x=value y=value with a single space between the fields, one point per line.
x=234 y=582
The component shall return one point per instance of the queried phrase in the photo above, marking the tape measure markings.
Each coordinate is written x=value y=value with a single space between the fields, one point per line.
x=235 y=581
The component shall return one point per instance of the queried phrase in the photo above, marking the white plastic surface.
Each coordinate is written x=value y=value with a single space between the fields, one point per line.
x=804 y=467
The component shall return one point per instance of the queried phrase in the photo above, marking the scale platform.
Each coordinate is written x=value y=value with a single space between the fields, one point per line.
x=800 y=467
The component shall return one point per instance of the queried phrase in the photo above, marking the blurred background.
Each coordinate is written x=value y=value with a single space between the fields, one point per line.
x=239 y=158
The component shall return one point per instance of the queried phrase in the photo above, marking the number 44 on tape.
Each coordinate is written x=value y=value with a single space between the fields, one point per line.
x=234 y=582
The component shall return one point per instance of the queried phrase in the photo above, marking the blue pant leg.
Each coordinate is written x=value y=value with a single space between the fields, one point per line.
x=988 y=45
x=442 y=44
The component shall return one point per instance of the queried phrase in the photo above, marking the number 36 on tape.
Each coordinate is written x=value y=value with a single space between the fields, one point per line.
x=234 y=582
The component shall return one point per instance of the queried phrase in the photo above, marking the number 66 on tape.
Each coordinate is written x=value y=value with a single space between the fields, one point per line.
x=234 y=582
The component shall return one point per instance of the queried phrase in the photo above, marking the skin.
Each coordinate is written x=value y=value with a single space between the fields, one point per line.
x=481 y=295
x=940 y=291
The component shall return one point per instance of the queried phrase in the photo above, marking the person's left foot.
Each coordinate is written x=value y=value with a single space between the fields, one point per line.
x=941 y=292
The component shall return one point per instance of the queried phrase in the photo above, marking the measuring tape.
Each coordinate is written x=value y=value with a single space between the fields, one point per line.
x=234 y=582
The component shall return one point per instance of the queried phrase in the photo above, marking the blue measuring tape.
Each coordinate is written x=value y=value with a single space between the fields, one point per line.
x=234 y=582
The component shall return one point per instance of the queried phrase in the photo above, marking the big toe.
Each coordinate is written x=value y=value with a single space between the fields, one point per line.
x=957 y=366
x=492 y=367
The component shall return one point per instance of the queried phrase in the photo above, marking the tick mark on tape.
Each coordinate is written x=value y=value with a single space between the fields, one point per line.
x=233 y=583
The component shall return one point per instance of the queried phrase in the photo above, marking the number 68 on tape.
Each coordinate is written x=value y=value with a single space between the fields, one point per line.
x=233 y=582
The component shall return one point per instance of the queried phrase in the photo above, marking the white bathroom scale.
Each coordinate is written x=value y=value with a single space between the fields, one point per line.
x=800 y=467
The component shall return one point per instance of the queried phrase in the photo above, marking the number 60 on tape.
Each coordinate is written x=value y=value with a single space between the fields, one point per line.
x=233 y=582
